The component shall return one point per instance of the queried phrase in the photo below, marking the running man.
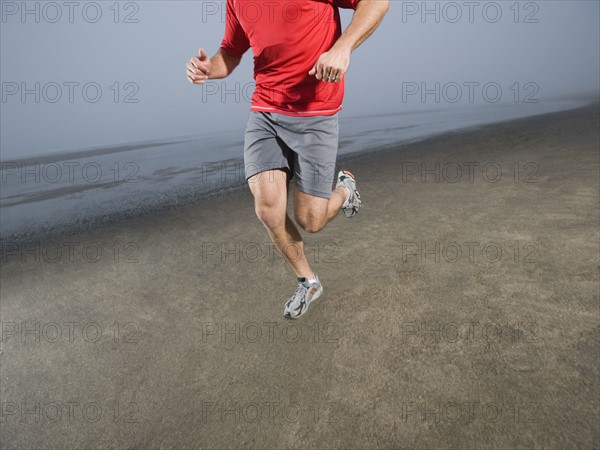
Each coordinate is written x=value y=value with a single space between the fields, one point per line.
x=300 y=59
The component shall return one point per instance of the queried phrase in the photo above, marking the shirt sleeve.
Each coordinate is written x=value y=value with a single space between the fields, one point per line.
x=235 y=42
x=348 y=4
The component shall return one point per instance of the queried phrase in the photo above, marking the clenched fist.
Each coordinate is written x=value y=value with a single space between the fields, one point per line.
x=199 y=68
x=332 y=65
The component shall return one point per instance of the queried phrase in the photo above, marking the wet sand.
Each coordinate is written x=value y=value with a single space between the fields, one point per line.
x=460 y=311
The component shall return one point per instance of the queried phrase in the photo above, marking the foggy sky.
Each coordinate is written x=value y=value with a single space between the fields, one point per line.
x=558 y=55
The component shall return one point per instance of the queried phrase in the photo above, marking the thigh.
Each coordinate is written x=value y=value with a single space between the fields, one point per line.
x=270 y=189
x=309 y=206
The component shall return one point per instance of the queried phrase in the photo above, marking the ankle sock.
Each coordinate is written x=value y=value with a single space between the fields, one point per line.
x=349 y=195
x=310 y=280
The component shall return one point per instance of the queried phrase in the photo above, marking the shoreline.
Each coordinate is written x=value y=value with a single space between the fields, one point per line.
x=190 y=199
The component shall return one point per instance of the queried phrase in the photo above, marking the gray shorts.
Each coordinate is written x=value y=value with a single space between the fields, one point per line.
x=304 y=146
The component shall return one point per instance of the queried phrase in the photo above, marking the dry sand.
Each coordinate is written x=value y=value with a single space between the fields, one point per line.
x=457 y=313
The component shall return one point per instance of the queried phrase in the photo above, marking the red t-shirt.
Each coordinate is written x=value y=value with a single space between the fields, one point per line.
x=287 y=38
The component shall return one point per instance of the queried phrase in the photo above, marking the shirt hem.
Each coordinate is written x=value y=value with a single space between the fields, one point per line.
x=323 y=112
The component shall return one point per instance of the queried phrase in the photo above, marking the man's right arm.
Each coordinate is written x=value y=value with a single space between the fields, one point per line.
x=201 y=68
x=234 y=45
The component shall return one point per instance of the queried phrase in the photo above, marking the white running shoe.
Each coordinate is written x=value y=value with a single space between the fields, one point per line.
x=305 y=294
x=352 y=205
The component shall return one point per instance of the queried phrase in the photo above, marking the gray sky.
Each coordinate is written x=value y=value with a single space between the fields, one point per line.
x=552 y=45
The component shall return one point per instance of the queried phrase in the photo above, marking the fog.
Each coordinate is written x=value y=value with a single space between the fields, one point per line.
x=87 y=74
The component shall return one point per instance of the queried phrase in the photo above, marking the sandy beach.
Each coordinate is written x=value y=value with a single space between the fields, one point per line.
x=461 y=310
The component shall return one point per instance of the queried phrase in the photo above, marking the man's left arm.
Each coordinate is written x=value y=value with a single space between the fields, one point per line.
x=333 y=64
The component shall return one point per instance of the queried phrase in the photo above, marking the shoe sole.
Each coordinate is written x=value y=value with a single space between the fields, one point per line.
x=315 y=297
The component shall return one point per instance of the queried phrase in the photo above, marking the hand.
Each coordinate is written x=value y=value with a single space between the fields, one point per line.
x=332 y=65
x=199 y=68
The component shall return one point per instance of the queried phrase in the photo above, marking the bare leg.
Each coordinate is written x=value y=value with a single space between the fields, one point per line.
x=270 y=190
x=313 y=213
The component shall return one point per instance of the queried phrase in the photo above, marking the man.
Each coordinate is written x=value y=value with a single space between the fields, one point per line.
x=300 y=58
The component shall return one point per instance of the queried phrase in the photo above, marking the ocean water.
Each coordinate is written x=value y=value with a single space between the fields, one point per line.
x=82 y=188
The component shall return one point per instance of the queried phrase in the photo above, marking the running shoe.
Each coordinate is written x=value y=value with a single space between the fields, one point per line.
x=305 y=294
x=352 y=204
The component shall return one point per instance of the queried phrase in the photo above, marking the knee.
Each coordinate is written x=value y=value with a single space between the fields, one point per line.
x=309 y=223
x=268 y=215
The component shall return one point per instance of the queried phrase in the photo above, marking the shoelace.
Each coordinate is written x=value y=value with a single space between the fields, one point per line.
x=300 y=293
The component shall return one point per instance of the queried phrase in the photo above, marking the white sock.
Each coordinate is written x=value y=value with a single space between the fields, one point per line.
x=349 y=195
x=313 y=279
